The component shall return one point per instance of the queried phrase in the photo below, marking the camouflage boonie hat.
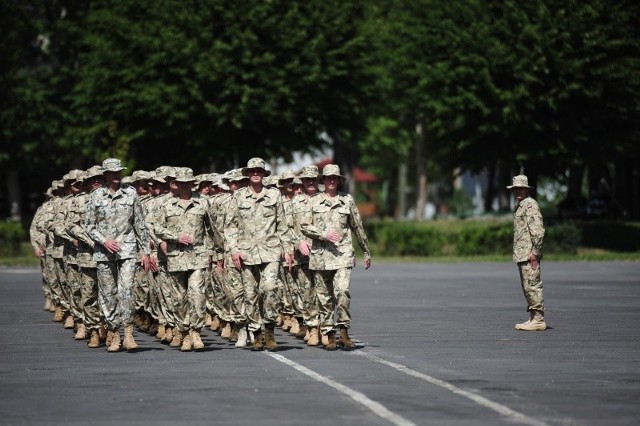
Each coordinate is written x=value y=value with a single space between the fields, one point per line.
x=520 y=181
x=256 y=163
x=72 y=175
x=310 y=172
x=128 y=180
x=140 y=175
x=237 y=176
x=163 y=172
x=286 y=175
x=93 y=171
x=332 y=170
x=270 y=181
x=184 y=174
x=49 y=192
x=112 y=165
x=296 y=181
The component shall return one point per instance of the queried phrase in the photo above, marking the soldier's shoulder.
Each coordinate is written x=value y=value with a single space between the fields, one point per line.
x=530 y=205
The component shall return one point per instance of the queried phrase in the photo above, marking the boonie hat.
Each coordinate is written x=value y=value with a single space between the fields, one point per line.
x=112 y=165
x=520 y=181
x=256 y=163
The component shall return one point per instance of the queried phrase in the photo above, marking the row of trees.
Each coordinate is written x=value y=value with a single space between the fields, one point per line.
x=432 y=84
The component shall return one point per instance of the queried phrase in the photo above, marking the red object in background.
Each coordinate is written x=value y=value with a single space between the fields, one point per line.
x=359 y=175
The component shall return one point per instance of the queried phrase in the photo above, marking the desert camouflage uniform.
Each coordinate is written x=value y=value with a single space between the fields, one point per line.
x=142 y=278
x=70 y=253
x=91 y=314
x=293 y=288
x=38 y=240
x=528 y=233
x=56 y=227
x=187 y=264
x=301 y=212
x=331 y=262
x=119 y=216
x=49 y=271
x=256 y=228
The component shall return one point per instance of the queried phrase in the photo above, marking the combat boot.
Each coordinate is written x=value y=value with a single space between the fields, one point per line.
x=279 y=320
x=331 y=338
x=242 y=337
x=207 y=320
x=168 y=334
x=233 y=334
x=129 y=342
x=94 y=340
x=105 y=337
x=198 y=345
x=47 y=304
x=537 y=323
x=58 y=316
x=176 y=341
x=215 y=323
x=344 y=339
x=258 y=345
x=325 y=339
x=81 y=334
x=304 y=331
x=114 y=345
x=187 y=344
x=314 y=337
x=69 y=323
x=522 y=324
x=286 y=322
x=295 y=326
x=160 y=332
x=226 y=330
x=270 y=338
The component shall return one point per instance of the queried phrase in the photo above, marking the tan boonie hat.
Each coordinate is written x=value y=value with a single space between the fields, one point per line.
x=140 y=175
x=310 y=172
x=286 y=175
x=270 y=181
x=163 y=172
x=237 y=176
x=184 y=174
x=93 y=171
x=520 y=181
x=296 y=181
x=256 y=163
x=127 y=180
x=57 y=184
x=112 y=165
x=72 y=175
x=332 y=170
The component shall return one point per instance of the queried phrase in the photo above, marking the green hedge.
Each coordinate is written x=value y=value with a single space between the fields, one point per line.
x=461 y=238
x=11 y=235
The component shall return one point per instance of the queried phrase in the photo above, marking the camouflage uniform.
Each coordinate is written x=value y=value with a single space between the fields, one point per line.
x=56 y=228
x=38 y=241
x=117 y=215
x=528 y=233
x=49 y=271
x=187 y=264
x=257 y=229
x=331 y=262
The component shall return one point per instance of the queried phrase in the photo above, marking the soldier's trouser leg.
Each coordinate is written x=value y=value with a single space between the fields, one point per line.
x=116 y=298
x=284 y=290
x=141 y=287
x=177 y=312
x=308 y=295
x=75 y=291
x=59 y=285
x=237 y=302
x=342 y=296
x=332 y=288
x=164 y=293
x=91 y=315
x=261 y=295
x=531 y=286
x=222 y=295
x=295 y=290
x=196 y=300
x=48 y=276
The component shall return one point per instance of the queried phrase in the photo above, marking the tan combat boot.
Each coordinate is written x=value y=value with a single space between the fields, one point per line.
x=307 y=334
x=105 y=337
x=331 y=339
x=176 y=341
x=94 y=339
x=207 y=320
x=304 y=332
x=58 y=315
x=198 y=345
x=242 y=337
x=522 y=324
x=187 y=344
x=536 y=323
x=233 y=334
x=47 y=304
x=295 y=326
x=168 y=334
x=114 y=346
x=279 y=320
x=286 y=322
x=160 y=332
x=325 y=338
x=257 y=341
x=314 y=337
x=226 y=330
x=270 y=338
x=215 y=323
x=81 y=334
x=69 y=323
x=344 y=339
x=129 y=342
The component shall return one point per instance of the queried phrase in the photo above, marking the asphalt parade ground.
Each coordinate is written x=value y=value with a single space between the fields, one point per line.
x=436 y=346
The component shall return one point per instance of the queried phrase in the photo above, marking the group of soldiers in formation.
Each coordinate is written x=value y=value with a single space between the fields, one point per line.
x=170 y=253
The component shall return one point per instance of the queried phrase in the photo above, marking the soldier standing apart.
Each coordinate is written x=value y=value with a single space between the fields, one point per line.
x=183 y=223
x=333 y=216
x=115 y=222
x=528 y=233
x=257 y=237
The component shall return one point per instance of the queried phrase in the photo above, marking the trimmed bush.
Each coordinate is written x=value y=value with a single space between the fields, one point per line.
x=11 y=235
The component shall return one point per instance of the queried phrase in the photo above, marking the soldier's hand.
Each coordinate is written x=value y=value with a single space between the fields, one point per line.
x=163 y=247
x=146 y=263
x=304 y=248
x=39 y=252
x=220 y=266
x=153 y=265
x=237 y=260
x=533 y=260
x=367 y=263
x=185 y=239
x=333 y=236
x=288 y=258
x=75 y=243
x=111 y=245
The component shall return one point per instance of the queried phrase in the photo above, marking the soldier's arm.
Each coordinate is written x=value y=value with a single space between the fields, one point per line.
x=36 y=236
x=355 y=222
x=282 y=228
x=536 y=227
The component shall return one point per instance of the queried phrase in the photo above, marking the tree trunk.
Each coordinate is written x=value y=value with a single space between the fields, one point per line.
x=401 y=206
x=491 y=187
x=421 y=175
x=14 y=193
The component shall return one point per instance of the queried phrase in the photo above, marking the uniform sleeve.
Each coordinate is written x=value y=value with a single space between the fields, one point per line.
x=75 y=228
x=536 y=227
x=161 y=226
x=90 y=222
x=60 y=221
x=140 y=227
x=282 y=227
x=36 y=236
x=231 y=226
x=355 y=222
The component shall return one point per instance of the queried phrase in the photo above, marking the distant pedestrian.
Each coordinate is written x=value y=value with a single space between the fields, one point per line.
x=528 y=233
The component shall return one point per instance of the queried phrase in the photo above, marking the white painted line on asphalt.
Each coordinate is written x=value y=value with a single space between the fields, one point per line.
x=375 y=407
x=513 y=415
